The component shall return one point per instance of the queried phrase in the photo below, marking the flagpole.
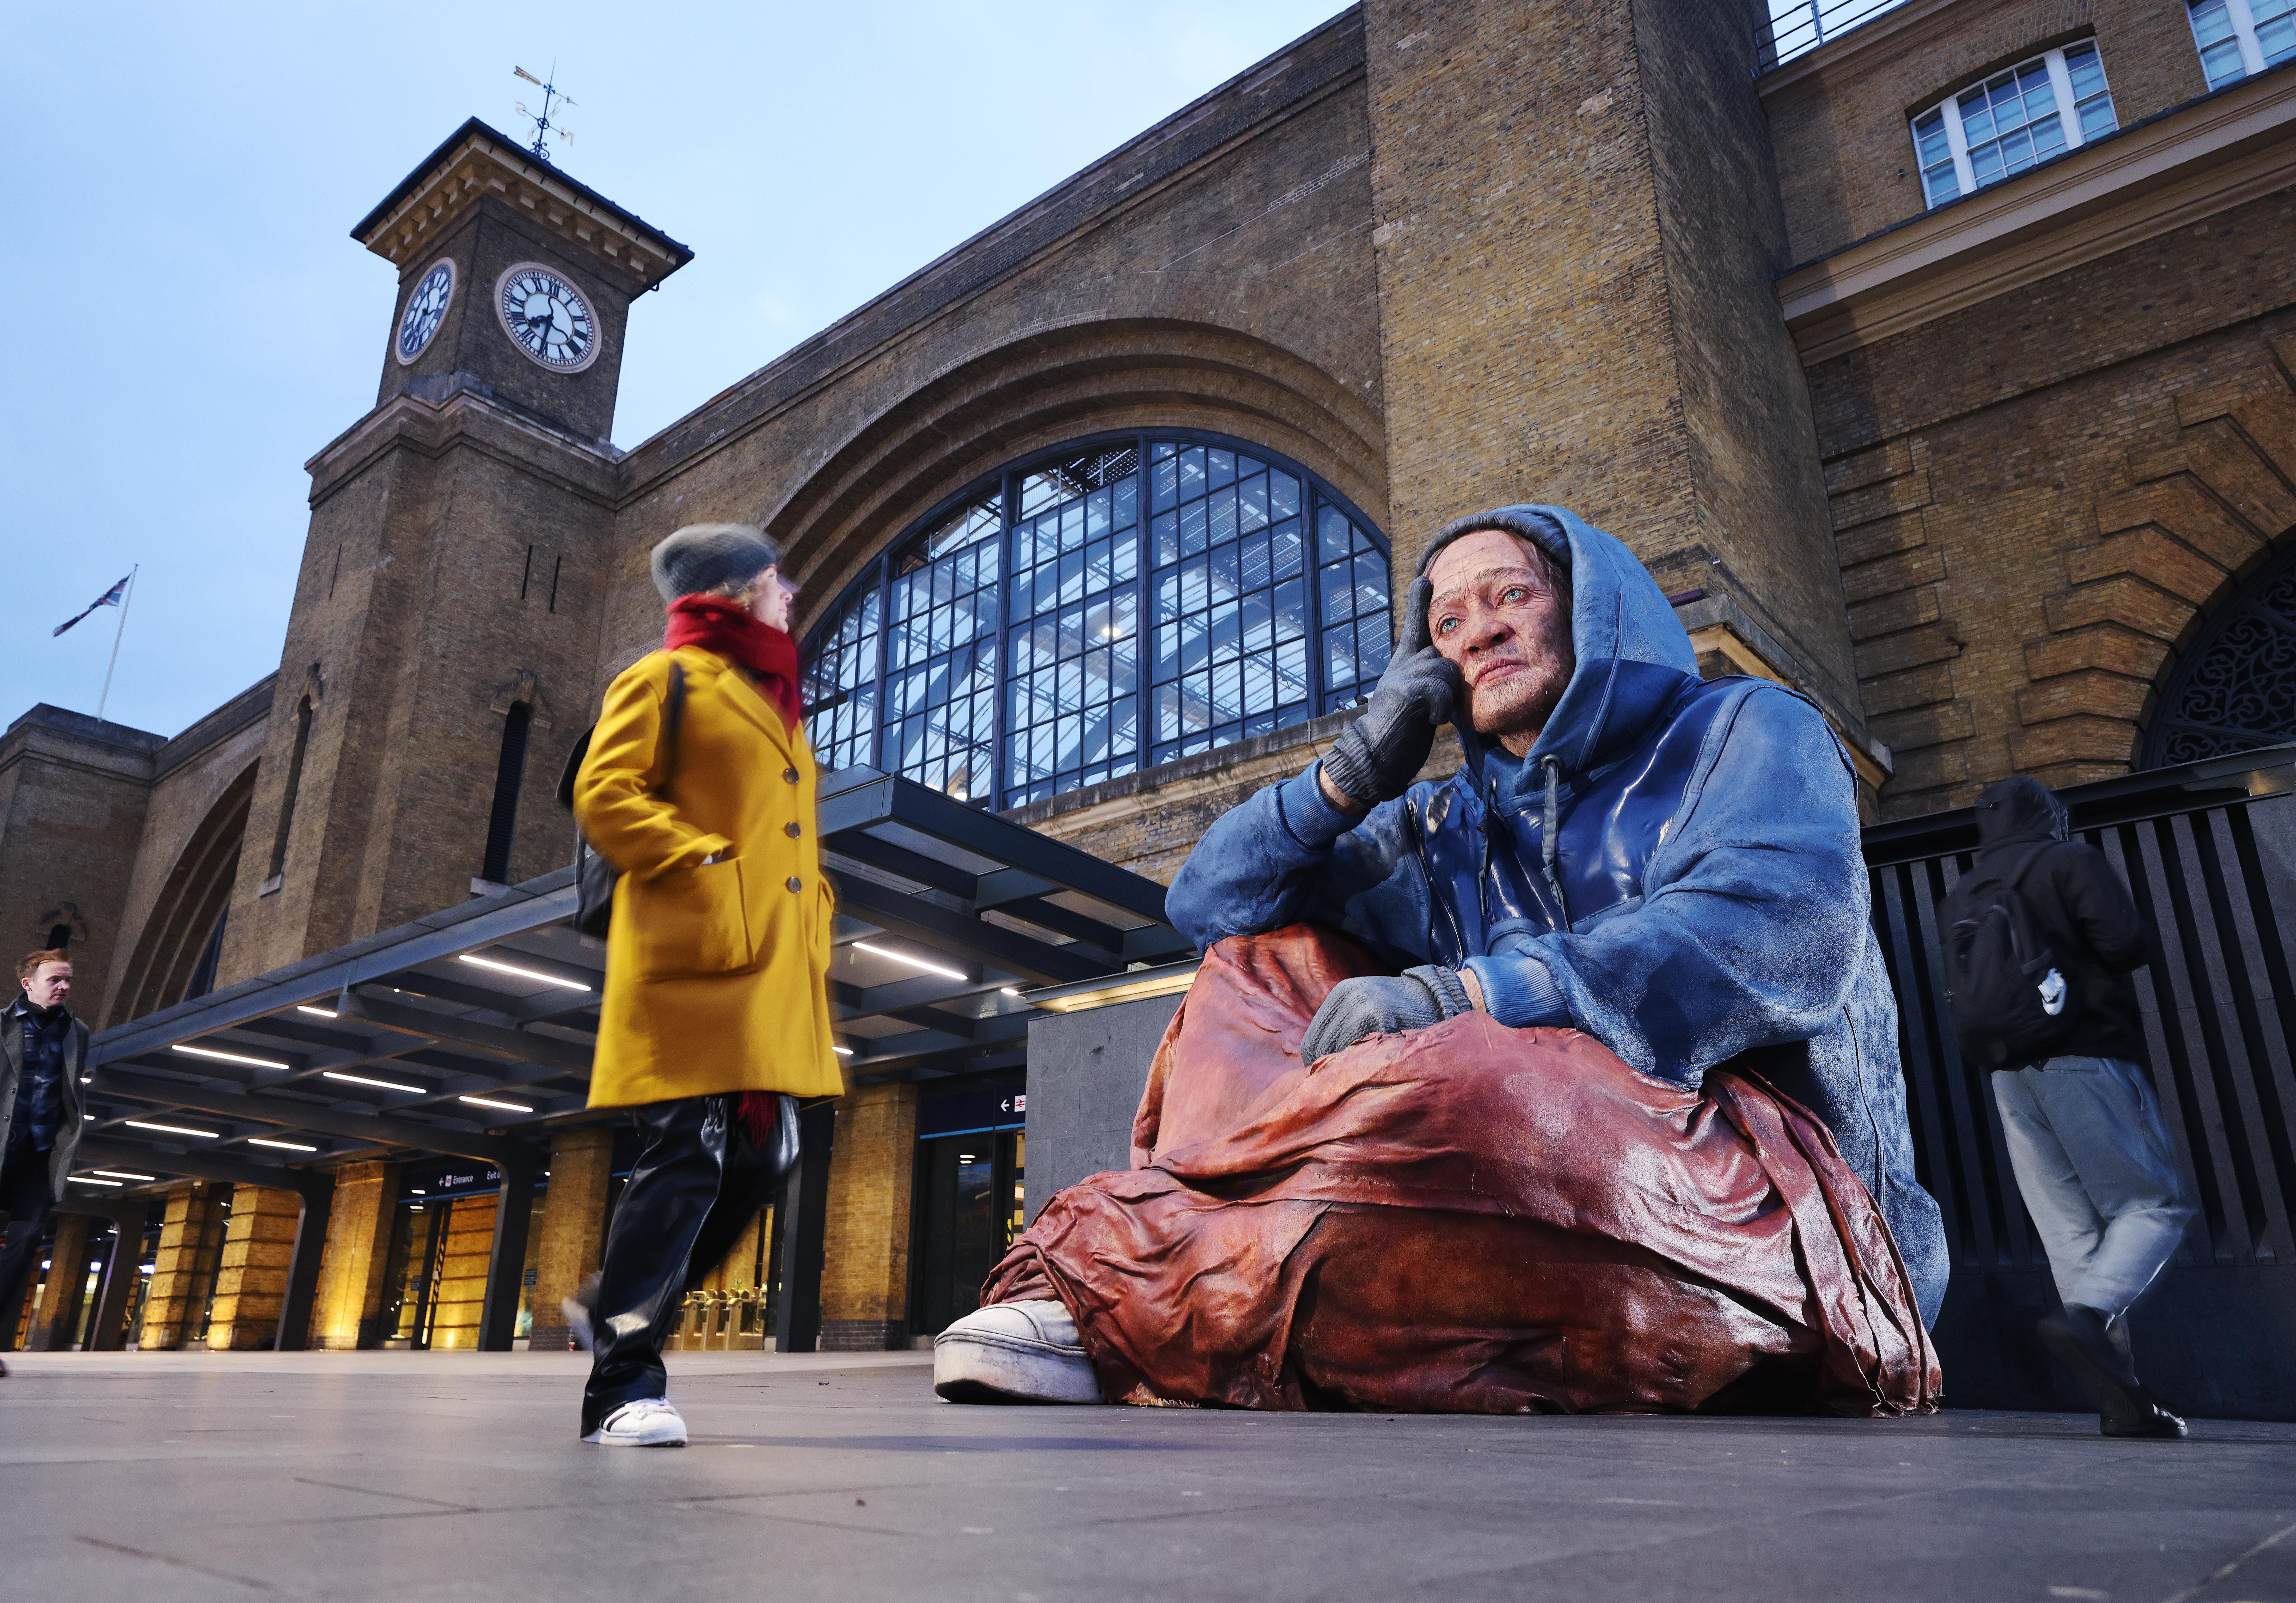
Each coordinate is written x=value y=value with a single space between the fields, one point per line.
x=128 y=596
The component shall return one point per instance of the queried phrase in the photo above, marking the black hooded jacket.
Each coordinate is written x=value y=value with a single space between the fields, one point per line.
x=2082 y=908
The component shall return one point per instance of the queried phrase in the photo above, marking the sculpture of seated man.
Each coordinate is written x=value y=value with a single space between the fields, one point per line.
x=1569 y=1082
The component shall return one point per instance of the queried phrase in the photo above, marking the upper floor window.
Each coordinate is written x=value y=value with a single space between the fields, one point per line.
x=1098 y=610
x=2015 y=120
x=2240 y=37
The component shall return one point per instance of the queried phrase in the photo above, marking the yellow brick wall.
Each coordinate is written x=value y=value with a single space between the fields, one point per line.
x=183 y=1269
x=570 y=1232
x=358 y=1246
x=251 y=1276
x=463 y=1273
x=864 y=1280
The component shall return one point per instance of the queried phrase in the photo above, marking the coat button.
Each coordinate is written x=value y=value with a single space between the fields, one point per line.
x=790 y=774
x=792 y=828
x=795 y=883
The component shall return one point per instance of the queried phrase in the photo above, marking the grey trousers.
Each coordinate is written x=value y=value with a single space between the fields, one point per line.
x=2092 y=1159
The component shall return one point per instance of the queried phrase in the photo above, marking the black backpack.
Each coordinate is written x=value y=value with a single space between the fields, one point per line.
x=593 y=876
x=2001 y=977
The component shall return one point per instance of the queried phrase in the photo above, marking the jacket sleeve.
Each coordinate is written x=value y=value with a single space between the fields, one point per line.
x=2098 y=906
x=615 y=802
x=1752 y=920
x=1287 y=855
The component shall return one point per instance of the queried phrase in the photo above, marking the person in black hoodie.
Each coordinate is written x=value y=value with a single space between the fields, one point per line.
x=2083 y=1124
x=42 y=1050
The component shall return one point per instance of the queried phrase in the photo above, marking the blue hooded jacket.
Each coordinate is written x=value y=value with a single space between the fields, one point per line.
x=1674 y=870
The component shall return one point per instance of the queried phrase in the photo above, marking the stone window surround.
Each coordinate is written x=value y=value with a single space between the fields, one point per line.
x=1953 y=125
x=2187 y=163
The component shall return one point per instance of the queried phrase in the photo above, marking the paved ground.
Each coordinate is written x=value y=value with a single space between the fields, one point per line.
x=419 y=1477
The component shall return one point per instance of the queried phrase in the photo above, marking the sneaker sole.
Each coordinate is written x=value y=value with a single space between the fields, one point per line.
x=977 y=1369
x=599 y=1438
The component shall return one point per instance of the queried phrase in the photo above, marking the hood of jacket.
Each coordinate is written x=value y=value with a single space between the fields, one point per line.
x=1633 y=653
x=2017 y=810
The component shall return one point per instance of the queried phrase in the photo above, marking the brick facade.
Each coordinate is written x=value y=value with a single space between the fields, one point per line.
x=1973 y=479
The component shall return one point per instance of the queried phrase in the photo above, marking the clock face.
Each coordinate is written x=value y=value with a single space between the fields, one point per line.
x=426 y=309
x=547 y=317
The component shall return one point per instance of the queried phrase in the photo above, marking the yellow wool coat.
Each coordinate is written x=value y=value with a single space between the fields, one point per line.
x=717 y=974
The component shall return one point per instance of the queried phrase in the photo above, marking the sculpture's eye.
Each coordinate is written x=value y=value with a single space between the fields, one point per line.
x=1444 y=625
x=1514 y=595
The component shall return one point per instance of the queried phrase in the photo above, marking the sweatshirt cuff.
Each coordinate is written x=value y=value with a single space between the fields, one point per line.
x=1309 y=815
x=1519 y=992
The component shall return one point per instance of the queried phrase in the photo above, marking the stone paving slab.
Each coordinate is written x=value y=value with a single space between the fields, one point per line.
x=435 y=1476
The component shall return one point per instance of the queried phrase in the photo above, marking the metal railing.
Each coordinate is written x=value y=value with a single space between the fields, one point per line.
x=1794 y=29
x=2209 y=851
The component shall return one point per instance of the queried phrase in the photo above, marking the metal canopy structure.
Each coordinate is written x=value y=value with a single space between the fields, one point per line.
x=465 y=1031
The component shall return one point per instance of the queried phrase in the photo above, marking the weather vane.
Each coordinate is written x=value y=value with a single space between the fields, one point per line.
x=552 y=99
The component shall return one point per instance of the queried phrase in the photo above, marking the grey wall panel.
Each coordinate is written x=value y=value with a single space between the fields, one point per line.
x=1086 y=1074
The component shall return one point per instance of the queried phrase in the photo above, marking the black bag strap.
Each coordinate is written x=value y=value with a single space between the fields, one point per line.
x=673 y=716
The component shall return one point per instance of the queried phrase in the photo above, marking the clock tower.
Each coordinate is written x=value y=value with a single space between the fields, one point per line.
x=441 y=652
x=514 y=275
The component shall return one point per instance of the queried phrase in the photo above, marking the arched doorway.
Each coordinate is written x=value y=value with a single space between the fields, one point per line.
x=2235 y=688
x=175 y=953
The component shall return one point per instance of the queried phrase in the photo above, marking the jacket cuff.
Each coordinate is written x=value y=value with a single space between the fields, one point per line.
x=1519 y=992
x=1307 y=815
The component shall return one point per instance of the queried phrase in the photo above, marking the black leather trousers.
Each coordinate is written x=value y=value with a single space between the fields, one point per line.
x=699 y=1181
x=24 y=1206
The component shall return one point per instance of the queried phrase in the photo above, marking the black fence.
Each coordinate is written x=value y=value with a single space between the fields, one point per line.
x=2209 y=850
x=1791 y=30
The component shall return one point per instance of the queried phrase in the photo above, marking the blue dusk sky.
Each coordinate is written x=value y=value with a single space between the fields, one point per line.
x=190 y=320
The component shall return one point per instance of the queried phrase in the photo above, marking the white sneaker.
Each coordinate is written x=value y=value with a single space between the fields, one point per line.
x=649 y=1422
x=1014 y=1353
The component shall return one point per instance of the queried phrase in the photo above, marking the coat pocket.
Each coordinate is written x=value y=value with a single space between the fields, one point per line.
x=693 y=921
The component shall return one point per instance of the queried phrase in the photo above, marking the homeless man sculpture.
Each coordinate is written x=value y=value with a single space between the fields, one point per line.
x=1570 y=1082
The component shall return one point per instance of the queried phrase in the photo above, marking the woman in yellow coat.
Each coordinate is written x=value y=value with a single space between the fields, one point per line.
x=700 y=787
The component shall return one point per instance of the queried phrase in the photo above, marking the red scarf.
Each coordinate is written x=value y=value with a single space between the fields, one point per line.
x=717 y=626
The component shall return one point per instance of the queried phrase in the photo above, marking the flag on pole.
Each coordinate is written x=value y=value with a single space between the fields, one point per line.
x=110 y=598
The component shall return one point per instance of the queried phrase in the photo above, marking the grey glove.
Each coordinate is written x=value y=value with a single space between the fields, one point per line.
x=1375 y=758
x=1377 y=1005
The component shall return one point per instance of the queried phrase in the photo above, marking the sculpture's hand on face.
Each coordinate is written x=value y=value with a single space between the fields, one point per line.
x=1502 y=616
x=1377 y=1004
x=1373 y=758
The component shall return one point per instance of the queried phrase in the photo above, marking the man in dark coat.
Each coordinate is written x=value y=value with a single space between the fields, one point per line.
x=2083 y=1124
x=42 y=1050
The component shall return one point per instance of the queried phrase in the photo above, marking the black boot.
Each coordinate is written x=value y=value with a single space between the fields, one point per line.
x=2083 y=1337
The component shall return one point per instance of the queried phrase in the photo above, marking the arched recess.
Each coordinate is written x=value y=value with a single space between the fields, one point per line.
x=188 y=910
x=1057 y=384
x=2233 y=688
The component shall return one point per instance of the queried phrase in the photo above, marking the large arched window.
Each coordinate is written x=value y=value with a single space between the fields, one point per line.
x=2235 y=689
x=1101 y=607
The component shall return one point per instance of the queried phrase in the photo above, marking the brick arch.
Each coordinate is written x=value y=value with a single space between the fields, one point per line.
x=184 y=914
x=2196 y=516
x=1058 y=384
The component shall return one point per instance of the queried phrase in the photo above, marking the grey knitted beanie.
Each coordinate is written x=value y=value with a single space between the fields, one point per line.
x=703 y=556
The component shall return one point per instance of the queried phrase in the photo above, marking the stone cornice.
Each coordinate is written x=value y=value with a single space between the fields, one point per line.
x=464 y=416
x=2202 y=159
x=477 y=161
x=250 y=705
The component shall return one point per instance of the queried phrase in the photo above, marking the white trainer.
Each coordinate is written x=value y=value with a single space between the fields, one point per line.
x=1014 y=1353
x=649 y=1422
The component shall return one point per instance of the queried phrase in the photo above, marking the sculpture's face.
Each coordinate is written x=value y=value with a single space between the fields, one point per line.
x=1502 y=613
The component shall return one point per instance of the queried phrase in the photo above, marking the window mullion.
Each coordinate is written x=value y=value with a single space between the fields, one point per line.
x=1957 y=141
x=2243 y=28
x=884 y=659
x=1000 y=778
x=2061 y=82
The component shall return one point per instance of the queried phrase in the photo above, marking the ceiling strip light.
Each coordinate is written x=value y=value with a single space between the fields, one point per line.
x=258 y=1140
x=328 y=1074
x=490 y=1103
x=209 y=1051
x=914 y=962
x=548 y=979
x=305 y=1007
x=126 y=1175
x=167 y=1129
x=843 y=1052
x=82 y=1180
